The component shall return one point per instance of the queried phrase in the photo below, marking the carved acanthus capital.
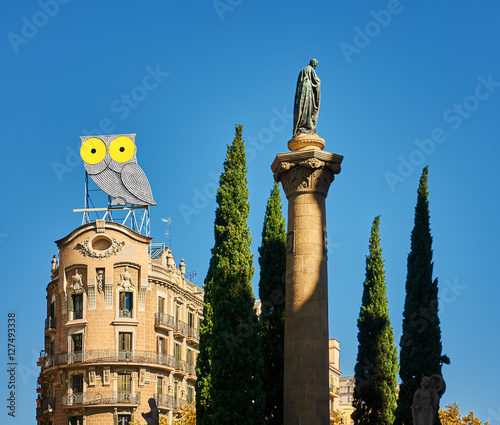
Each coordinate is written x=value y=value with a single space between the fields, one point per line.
x=310 y=171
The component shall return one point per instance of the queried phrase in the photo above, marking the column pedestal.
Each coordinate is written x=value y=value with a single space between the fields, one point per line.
x=306 y=176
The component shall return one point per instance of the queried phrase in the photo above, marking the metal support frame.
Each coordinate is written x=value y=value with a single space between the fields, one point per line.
x=136 y=217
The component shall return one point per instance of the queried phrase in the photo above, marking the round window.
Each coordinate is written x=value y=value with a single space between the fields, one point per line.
x=101 y=243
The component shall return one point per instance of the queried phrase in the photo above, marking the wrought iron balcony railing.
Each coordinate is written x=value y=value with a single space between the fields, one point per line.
x=169 y=402
x=125 y=313
x=100 y=398
x=164 y=319
x=109 y=356
x=193 y=333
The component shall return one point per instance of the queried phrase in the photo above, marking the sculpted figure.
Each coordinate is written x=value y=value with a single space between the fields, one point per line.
x=126 y=279
x=426 y=400
x=152 y=417
x=307 y=98
x=76 y=282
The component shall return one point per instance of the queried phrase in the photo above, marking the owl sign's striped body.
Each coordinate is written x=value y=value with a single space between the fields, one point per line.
x=112 y=164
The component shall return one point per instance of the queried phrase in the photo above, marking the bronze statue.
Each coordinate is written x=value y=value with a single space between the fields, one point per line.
x=426 y=400
x=152 y=417
x=307 y=98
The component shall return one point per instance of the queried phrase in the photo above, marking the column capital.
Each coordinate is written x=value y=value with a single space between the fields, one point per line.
x=306 y=171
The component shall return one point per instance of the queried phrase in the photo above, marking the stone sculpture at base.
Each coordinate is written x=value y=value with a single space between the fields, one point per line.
x=426 y=400
x=152 y=417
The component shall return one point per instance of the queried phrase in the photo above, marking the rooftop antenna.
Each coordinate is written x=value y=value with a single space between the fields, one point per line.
x=168 y=233
x=191 y=275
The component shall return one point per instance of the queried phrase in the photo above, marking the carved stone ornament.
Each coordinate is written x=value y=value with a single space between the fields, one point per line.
x=126 y=279
x=86 y=249
x=310 y=171
x=100 y=279
x=307 y=176
x=76 y=284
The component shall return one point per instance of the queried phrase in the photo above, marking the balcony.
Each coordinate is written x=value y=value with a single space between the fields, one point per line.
x=50 y=324
x=169 y=402
x=334 y=391
x=191 y=370
x=125 y=313
x=181 y=367
x=165 y=401
x=101 y=398
x=76 y=315
x=193 y=336
x=109 y=356
x=180 y=329
x=164 y=321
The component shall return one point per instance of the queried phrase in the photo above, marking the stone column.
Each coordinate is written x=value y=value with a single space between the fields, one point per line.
x=306 y=175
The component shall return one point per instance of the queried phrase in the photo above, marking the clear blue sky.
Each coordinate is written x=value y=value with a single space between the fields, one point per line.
x=404 y=84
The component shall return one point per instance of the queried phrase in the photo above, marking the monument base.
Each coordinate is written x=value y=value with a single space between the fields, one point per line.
x=306 y=141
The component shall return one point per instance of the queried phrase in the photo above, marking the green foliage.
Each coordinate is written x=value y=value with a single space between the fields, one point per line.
x=420 y=353
x=232 y=350
x=272 y=263
x=377 y=364
x=203 y=384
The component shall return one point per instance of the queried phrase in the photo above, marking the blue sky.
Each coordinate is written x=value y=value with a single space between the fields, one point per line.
x=405 y=84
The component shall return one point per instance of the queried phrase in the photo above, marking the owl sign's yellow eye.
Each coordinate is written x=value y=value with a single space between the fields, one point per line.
x=93 y=150
x=122 y=149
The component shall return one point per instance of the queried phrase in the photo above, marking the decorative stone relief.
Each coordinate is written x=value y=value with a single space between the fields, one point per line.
x=100 y=279
x=142 y=377
x=126 y=281
x=86 y=249
x=105 y=377
x=310 y=175
x=91 y=296
x=76 y=284
x=142 y=298
x=108 y=296
x=91 y=377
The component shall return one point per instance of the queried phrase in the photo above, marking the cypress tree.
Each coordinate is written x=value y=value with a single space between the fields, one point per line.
x=236 y=394
x=377 y=362
x=420 y=353
x=203 y=362
x=272 y=263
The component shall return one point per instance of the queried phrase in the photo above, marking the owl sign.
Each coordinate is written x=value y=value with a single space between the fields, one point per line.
x=112 y=164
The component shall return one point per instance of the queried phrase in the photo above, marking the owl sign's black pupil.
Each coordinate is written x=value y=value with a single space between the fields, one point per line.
x=93 y=150
x=122 y=149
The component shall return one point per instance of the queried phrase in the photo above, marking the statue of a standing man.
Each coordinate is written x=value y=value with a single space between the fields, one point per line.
x=307 y=98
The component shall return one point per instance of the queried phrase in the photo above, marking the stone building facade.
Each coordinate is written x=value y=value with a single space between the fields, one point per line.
x=334 y=374
x=121 y=328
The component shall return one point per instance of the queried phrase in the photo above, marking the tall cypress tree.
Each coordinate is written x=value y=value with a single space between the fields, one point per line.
x=377 y=362
x=272 y=263
x=203 y=362
x=236 y=394
x=420 y=353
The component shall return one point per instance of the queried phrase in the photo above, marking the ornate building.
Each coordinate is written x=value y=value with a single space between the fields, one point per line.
x=121 y=328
